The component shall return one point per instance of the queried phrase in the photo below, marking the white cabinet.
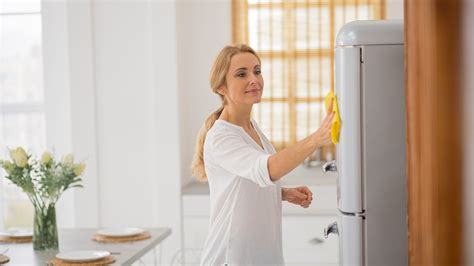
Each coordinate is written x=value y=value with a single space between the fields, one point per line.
x=195 y=233
x=195 y=227
x=302 y=229
x=304 y=243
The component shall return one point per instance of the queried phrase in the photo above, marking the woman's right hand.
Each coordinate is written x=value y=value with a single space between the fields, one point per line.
x=287 y=159
x=322 y=136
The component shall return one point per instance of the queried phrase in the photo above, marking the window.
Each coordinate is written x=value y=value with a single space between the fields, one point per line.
x=295 y=41
x=22 y=116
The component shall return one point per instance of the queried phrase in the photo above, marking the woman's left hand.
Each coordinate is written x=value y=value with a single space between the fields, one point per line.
x=299 y=195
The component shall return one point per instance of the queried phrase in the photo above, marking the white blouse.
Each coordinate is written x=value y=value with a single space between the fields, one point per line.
x=245 y=220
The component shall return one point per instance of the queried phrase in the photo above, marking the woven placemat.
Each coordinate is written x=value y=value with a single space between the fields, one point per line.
x=9 y=239
x=109 y=239
x=104 y=261
x=4 y=259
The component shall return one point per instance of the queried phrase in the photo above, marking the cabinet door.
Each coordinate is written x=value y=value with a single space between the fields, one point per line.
x=195 y=228
x=304 y=243
x=195 y=231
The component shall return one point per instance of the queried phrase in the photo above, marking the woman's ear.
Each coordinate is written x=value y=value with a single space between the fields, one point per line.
x=221 y=90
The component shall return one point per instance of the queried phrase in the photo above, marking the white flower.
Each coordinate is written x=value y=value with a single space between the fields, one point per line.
x=68 y=159
x=46 y=157
x=79 y=169
x=19 y=157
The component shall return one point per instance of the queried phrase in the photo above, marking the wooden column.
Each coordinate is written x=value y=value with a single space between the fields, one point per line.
x=433 y=93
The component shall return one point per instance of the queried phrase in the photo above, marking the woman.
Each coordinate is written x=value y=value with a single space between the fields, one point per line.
x=243 y=169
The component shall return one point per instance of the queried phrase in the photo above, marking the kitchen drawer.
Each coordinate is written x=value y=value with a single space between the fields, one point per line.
x=304 y=243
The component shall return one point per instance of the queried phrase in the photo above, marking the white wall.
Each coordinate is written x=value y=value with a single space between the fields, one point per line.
x=111 y=81
x=124 y=95
x=137 y=114
x=203 y=28
x=394 y=9
x=166 y=148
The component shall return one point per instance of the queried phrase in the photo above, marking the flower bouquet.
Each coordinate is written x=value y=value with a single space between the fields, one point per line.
x=43 y=181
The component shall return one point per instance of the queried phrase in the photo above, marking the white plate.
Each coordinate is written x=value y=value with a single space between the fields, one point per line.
x=119 y=232
x=17 y=233
x=82 y=255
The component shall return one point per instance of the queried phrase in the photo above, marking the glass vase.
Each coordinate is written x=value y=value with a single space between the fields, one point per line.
x=45 y=231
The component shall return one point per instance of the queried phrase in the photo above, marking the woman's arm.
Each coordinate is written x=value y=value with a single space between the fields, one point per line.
x=282 y=162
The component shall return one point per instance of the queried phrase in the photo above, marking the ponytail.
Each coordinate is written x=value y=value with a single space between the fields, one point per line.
x=197 y=165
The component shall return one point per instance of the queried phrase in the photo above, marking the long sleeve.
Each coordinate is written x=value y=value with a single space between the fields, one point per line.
x=231 y=152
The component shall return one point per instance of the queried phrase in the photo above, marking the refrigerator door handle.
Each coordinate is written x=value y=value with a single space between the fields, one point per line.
x=330 y=166
x=331 y=229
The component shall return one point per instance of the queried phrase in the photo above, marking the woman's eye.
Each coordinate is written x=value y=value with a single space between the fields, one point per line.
x=241 y=75
x=258 y=72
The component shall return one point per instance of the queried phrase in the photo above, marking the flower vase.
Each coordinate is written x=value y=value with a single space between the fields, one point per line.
x=45 y=231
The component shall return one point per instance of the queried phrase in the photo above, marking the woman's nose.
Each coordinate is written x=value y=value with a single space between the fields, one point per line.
x=253 y=79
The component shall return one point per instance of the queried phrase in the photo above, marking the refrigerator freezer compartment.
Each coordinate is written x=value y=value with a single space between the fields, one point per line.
x=351 y=239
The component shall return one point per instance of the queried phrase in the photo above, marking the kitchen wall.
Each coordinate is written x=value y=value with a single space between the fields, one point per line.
x=203 y=28
x=394 y=9
x=110 y=80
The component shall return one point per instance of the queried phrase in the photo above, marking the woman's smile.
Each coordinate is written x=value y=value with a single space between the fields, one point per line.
x=253 y=91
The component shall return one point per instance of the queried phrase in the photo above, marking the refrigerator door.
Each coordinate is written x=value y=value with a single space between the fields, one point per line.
x=351 y=240
x=347 y=86
x=384 y=154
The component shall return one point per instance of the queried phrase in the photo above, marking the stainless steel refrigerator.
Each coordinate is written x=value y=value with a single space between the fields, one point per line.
x=371 y=158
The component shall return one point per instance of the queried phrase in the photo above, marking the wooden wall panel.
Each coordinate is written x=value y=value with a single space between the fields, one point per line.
x=434 y=133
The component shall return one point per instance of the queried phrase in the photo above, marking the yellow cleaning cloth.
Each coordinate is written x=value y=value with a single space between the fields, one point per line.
x=336 y=121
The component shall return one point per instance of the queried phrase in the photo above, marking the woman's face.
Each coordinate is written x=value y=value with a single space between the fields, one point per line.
x=244 y=80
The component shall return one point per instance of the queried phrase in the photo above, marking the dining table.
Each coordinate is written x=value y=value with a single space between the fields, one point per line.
x=74 y=239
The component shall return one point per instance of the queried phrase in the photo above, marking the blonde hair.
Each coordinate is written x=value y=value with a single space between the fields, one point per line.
x=219 y=70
